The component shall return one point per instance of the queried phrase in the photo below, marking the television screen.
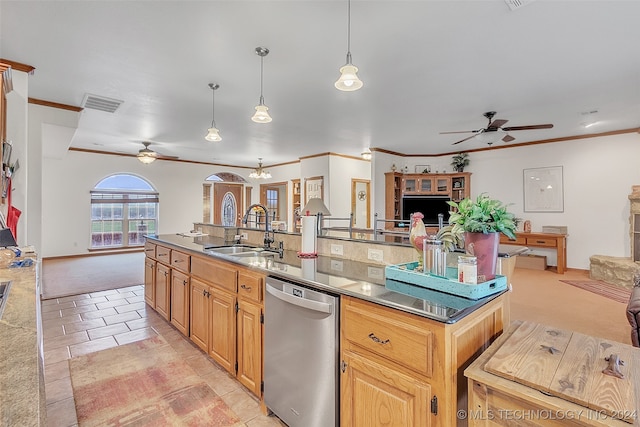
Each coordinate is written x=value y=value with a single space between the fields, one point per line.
x=429 y=206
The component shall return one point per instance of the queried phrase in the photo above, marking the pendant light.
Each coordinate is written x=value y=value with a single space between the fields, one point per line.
x=348 y=80
x=259 y=173
x=262 y=113
x=147 y=155
x=214 y=134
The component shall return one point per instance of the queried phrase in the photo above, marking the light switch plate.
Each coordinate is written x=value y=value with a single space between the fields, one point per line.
x=375 y=272
x=375 y=254
x=336 y=265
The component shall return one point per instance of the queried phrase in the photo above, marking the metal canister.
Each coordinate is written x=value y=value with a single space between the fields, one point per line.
x=468 y=269
x=433 y=259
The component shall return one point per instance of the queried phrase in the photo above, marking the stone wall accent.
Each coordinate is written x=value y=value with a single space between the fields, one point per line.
x=615 y=270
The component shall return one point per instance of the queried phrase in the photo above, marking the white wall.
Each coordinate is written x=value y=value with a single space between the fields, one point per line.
x=341 y=171
x=598 y=174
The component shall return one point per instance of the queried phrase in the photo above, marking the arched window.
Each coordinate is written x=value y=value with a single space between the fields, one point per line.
x=120 y=203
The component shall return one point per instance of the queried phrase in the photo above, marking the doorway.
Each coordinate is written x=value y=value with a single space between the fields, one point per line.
x=361 y=202
x=274 y=197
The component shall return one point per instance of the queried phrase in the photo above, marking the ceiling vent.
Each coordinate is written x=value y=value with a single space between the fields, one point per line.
x=101 y=103
x=517 y=4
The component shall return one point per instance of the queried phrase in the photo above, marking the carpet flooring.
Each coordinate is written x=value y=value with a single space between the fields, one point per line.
x=154 y=388
x=614 y=292
x=63 y=277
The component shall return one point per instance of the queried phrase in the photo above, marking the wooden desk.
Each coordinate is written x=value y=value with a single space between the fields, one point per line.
x=542 y=240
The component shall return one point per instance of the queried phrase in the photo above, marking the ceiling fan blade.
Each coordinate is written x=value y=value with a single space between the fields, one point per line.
x=460 y=131
x=508 y=138
x=497 y=123
x=463 y=140
x=545 y=126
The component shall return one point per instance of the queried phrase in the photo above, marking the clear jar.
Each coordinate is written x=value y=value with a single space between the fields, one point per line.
x=468 y=269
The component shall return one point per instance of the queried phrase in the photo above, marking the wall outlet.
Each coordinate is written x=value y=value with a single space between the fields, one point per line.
x=244 y=236
x=336 y=265
x=375 y=254
x=375 y=272
x=337 y=250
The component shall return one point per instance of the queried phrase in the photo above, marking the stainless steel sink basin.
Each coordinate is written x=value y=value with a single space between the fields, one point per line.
x=255 y=253
x=233 y=250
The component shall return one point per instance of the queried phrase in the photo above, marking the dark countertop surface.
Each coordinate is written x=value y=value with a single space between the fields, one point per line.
x=342 y=277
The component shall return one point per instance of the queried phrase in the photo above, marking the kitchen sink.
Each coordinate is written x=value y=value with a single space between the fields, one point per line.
x=256 y=253
x=233 y=250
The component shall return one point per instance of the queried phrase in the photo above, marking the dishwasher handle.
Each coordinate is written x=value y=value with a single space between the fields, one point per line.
x=322 y=307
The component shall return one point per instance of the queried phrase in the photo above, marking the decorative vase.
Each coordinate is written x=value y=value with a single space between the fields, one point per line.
x=485 y=248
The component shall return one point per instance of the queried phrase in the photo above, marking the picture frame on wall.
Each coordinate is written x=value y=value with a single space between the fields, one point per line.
x=313 y=187
x=543 y=189
x=422 y=169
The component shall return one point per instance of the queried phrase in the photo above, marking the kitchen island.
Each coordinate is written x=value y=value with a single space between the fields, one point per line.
x=404 y=352
x=22 y=401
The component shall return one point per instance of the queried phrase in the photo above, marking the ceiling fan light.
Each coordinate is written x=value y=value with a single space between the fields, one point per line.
x=147 y=157
x=491 y=137
x=366 y=155
x=213 y=135
x=348 y=81
x=262 y=114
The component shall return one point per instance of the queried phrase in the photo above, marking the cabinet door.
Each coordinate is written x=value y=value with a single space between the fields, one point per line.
x=150 y=282
x=249 y=337
x=180 y=301
x=199 y=314
x=163 y=290
x=442 y=185
x=376 y=395
x=222 y=338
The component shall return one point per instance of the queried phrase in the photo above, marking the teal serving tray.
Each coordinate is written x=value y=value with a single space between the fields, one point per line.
x=406 y=273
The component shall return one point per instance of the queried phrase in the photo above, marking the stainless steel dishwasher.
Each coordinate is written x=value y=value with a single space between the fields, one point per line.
x=301 y=353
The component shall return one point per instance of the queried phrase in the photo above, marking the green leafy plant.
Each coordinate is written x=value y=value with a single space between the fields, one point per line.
x=460 y=161
x=482 y=215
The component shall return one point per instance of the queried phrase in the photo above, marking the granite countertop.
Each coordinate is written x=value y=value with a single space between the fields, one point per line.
x=342 y=277
x=21 y=364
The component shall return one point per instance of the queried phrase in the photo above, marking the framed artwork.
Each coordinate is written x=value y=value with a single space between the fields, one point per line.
x=313 y=187
x=543 y=189
x=422 y=169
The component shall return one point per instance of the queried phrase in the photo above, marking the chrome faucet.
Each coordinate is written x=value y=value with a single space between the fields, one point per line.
x=268 y=240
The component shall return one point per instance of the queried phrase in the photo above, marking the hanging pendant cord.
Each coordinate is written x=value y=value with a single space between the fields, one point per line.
x=349 y=32
x=213 y=108
x=261 y=76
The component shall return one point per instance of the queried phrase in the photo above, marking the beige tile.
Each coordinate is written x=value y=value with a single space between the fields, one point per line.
x=265 y=421
x=103 y=293
x=120 y=296
x=80 y=310
x=52 y=307
x=65 y=340
x=243 y=404
x=202 y=365
x=52 y=314
x=142 y=322
x=130 y=289
x=137 y=298
x=84 y=325
x=104 y=331
x=59 y=390
x=114 y=303
x=89 y=301
x=74 y=298
x=62 y=413
x=137 y=335
x=130 y=307
x=56 y=355
x=45 y=302
x=99 y=313
x=53 y=331
x=221 y=382
x=92 y=346
x=120 y=318
x=56 y=371
x=61 y=321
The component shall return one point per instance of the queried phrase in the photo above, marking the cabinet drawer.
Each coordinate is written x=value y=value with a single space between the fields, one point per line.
x=532 y=241
x=150 y=250
x=163 y=254
x=389 y=334
x=522 y=241
x=180 y=261
x=216 y=273
x=250 y=285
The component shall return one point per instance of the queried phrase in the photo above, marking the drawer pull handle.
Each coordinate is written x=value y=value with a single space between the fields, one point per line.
x=378 y=340
x=148 y=250
x=541 y=241
x=178 y=260
x=248 y=288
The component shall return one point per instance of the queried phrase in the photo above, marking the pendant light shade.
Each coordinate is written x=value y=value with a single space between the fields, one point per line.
x=260 y=173
x=348 y=81
x=213 y=133
x=147 y=155
x=262 y=111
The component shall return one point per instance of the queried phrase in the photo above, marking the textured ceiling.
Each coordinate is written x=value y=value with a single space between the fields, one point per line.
x=427 y=67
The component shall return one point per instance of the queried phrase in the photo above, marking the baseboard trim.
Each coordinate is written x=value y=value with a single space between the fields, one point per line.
x=97 y=253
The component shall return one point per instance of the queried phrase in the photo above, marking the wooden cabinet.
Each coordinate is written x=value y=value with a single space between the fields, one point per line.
x=163 y=290
x=150 y=274
x=296 y=205
x=408 y=367
x=180 y=301
x=557 y=242
x=456 y=186
x=227 y=317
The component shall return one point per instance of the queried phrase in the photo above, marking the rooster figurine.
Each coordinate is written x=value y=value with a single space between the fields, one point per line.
x=418 y=235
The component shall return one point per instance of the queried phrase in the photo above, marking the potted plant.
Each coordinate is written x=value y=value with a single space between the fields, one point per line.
x=459 y=161
x=479 y=223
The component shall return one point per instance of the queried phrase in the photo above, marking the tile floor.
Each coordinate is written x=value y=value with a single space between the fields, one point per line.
x=85 y=323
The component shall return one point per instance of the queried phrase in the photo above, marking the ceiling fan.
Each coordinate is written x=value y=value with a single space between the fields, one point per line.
x=494 y=130
x=147 y=155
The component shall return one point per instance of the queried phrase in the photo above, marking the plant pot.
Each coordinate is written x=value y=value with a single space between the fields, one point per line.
x=485 y=248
